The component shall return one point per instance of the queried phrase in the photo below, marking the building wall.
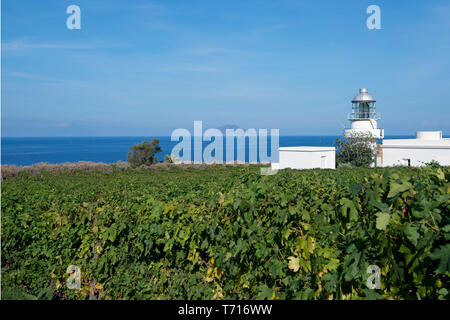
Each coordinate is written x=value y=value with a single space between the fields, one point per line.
x=306 y=159
x=376 y=133
x=418 y=156
x=365 y=126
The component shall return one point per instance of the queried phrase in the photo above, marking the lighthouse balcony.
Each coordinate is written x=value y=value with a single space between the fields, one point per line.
x=363 y=115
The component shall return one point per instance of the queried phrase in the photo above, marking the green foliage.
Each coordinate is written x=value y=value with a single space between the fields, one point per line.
x=11 y=291
x=345 y=165
x=227 y=232
x=144 y=153
x=168 y=158
x=433 y=163
x=356 y=150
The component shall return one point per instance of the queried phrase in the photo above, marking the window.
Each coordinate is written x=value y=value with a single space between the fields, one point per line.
x=406 y=162
x=364 y=110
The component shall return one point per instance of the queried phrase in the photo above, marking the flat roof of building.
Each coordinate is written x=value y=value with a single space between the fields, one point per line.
x=416 y=143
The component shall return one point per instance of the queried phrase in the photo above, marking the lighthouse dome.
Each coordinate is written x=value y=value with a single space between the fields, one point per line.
x=363 y=96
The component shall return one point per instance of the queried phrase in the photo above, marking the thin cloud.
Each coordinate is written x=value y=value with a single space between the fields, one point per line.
x=207 y=51
x=62 y=125
x=29 y=76
x=268 y=29
x=21 y=45
x=151 y=6
x=193 y=68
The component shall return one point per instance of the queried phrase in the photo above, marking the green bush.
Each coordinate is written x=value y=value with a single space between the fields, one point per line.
x=144 y=153
x=345 y=165
x=228 y=232
x=356 y=150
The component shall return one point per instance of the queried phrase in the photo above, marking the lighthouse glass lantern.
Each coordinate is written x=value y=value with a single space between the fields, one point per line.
x=363 y=117
x=363 y=106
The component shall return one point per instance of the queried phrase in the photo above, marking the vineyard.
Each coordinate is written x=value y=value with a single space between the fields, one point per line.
x=227 y=232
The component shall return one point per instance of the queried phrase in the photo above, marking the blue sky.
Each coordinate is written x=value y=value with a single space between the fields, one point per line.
x=147 y=67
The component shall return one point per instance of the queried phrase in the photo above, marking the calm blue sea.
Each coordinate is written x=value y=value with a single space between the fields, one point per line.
x=27 y=151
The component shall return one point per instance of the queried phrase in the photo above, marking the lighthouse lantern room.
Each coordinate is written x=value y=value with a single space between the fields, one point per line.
x=363 y=117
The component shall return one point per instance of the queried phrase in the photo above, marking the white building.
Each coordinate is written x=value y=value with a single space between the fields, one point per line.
x=306 y=158
x=428 y=146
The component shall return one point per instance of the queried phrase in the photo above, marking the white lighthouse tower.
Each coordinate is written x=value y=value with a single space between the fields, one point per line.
x=363 y=117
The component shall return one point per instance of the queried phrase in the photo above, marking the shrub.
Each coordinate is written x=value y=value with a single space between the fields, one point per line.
x=434 y=164
x=144 y=153
x=358 y=150
x=345 y=165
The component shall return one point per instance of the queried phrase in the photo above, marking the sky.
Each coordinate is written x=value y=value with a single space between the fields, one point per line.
x=143 y=68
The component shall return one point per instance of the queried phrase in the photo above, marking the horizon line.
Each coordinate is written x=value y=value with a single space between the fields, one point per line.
x=153 y=136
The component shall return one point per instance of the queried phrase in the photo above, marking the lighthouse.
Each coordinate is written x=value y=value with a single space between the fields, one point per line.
x=363 y=117
x=427 y=147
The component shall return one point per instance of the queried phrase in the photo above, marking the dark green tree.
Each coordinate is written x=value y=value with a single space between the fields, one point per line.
x=144 y=153
x=356 y=150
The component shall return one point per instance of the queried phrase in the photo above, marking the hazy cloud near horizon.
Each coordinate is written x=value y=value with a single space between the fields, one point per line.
x=146 y=68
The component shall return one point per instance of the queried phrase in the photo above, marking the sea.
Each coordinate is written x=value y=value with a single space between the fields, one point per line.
x=28 y=151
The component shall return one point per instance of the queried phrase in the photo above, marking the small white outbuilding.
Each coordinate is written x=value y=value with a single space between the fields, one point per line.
x=428 y=146
x=305 y=158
